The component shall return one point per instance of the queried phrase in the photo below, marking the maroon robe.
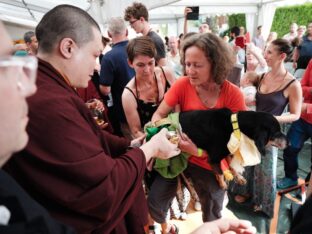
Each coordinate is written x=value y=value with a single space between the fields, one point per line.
x=88 y=93
x=67 y=166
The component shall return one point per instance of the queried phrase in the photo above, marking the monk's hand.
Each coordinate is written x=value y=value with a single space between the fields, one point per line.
x=159 y=146
x=137 y=142
x=103 y=125
x=95 y=104
x=164 y=147
x=187 y=145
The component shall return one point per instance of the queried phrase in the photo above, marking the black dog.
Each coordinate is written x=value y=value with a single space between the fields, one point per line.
x=211 y=131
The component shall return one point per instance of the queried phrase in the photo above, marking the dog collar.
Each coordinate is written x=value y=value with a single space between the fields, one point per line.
x=235 y=125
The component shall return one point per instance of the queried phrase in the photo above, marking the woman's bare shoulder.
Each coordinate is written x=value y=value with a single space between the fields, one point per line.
x=131 y=84
x=293 y=85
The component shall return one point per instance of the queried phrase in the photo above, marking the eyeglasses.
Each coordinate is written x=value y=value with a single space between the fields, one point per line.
x=132 y=22
x=25 y=69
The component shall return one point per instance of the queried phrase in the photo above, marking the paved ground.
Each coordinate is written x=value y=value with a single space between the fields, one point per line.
x=244 y=211
x=259 y=220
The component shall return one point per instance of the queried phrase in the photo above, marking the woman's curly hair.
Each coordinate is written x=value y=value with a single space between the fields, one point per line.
x=218 y=53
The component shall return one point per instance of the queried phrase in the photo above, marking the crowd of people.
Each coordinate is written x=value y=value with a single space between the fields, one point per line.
x=84 y=165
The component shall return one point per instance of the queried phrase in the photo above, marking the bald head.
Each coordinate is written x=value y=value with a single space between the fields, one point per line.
x=65 y=21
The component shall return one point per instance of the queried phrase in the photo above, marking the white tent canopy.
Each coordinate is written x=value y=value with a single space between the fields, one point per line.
x=258 y=12
x=29 y=12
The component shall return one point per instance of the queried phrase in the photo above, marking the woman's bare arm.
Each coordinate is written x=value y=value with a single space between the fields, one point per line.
x=295 y=102
x=162 y=111
x=130 y=108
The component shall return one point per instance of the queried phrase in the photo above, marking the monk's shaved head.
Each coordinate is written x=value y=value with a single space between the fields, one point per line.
x=64 y=21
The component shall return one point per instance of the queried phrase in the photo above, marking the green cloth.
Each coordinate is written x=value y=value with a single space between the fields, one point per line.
x=171 y=168
x=168 y=168
x=21 y=53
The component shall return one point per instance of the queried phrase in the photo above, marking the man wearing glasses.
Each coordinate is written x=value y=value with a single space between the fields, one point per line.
x=84 y=176
x=137 y=15
x=18 y=212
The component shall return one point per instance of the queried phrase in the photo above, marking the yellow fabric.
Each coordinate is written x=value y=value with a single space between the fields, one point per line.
x=228 y=176
x=161 y=122
x=244 y=149
x=235 y=126
x=199 y=152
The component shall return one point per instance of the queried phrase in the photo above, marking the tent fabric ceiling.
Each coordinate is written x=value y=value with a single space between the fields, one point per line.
x=213 y=7
x=103 y=10
x=29 y=12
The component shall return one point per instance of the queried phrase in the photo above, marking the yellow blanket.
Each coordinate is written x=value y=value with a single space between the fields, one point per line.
x=244 y=150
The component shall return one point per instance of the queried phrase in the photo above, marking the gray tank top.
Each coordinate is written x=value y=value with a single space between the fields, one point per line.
x=274 y=102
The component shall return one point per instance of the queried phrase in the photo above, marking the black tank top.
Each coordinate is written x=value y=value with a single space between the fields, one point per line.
x=147 y=109
x=274 y=102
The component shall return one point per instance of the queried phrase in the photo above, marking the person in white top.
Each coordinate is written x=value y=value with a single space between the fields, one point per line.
x=292 y=32
x=249 y=89
x=255 y=59
x=301 y=31
x=242 y=31
x=173 y=57
x=258 y=40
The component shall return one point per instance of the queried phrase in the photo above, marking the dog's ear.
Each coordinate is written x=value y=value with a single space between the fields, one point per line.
x=261 y=139
x=279 y=140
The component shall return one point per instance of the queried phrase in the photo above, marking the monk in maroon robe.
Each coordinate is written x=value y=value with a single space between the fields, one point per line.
x=85 y=177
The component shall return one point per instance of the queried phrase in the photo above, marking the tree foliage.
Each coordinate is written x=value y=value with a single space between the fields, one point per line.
x=284 y=16
x=237 y=20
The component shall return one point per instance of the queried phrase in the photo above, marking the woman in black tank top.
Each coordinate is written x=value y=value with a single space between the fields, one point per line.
x=275 y=90
x=146 y=90
x=143 y=94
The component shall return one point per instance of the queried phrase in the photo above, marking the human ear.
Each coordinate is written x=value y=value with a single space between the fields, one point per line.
x=283 y=56
x=67 y=47
x=130 y=63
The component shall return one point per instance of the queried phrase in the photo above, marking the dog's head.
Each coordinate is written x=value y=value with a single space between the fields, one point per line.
x=263 y=128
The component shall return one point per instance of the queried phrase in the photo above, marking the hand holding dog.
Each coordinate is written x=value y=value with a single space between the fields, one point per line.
x=187 y=145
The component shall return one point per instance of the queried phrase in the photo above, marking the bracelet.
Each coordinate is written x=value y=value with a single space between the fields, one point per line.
x=199 y=152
